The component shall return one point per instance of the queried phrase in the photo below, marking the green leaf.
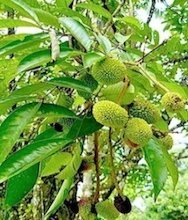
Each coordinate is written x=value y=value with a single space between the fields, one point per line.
x=9 y=102
x=42 y=57
x=21 y=7
x=77 y=30
x=121 y=38
x=155 y=159
x=69 y=82
x=162 y=125
x=35 y=59
x=7 y=74
x=90 y=58
x=132 y=21
x=89 y=126
x=71 y=13
x=71 y=169
x=11 y=23
x=102 y=208
x=52 y=110
x=7 y=39
x=19 y=185
x=13 y=126
x=95 y=8
x=171 y=166
x=63 y=3
x=34 y=89
x=104 y=43
x=54 y=163
x=33 y=3
x=117 y=88
x=27 y=41
x=60 y=198
x=30 y=155
x=47 y=18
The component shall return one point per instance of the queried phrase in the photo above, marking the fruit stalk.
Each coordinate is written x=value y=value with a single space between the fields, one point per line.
x=96 y=161
x=114 y=180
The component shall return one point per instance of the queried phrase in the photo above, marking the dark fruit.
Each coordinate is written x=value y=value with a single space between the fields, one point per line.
x=122 y=204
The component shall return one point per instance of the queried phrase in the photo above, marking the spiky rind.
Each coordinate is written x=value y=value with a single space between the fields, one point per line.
x=167 y=141
x=138 y=131
x=109 y=71
x=172 y=101
x=90 y=82
x=142 y=108
x=110 y=114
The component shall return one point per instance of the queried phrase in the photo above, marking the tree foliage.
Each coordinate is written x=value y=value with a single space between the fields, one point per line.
x=50 y=142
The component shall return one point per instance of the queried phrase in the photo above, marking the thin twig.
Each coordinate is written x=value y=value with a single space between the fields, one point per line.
x=141 y=60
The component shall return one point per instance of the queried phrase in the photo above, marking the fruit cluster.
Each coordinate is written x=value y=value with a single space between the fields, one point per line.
x=137 y=118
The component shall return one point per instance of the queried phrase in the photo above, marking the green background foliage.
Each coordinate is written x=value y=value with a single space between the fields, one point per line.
x=46 y=49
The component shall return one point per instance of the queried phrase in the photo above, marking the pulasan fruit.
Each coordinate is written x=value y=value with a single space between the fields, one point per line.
x=90 y=82
x=122 y=204
x=167 y=141
x=109 y=71
x=110 y=114
x=172 y=101
x=144 y=109
x=137 y=132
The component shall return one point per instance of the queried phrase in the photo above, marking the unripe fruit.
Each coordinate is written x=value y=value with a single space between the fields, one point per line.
x=123 y=205
x=144 y=109
x=109 y=71
x=90 y=82
x=167 y=141
x=110 y=114
x=138 y=132
x=172 y=101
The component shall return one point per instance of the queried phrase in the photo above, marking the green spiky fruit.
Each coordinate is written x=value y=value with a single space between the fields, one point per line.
x=90 y=82
x=144 y=109
x=110 y=114
x=109 y=71
x=172 y=101
x=167 y=141
x=138 y=132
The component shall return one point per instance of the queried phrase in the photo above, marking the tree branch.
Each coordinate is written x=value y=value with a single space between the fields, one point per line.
x=151 y=12
x=141 y=60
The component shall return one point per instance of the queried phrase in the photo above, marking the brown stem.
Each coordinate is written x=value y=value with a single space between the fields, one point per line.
x=97 y=169
x=113 y=173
